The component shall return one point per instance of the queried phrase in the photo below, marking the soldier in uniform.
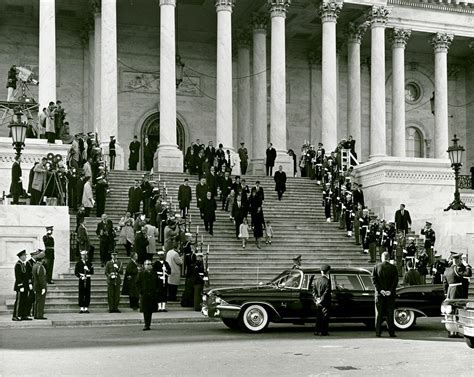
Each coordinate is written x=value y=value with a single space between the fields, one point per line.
x=422 y=265
x=348 y=213
x=163 y=270
x=364 y=222
x=112 y=153
x=83 y=270
x=372 y=240
x=467 y=273
x=39 y=284
x=438 y=269
x=244 y=158
x=48 y=241
x=23 y=285
x=147 y=286
x=430 y=238
x=199 y=278
x=105 y=231
x=113 y=271
x=322 y=297
x=327 y=199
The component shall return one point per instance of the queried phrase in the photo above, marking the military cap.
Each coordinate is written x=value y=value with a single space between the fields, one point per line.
x=161 y=252
x=325 y=268
x=84 y=252
x=297 y=258
x=156 y=189
x=112 y=137
x=187 y=234
x=365 y=210
x=21 y=253
x=113 y=253
x=199 y=254
x=428 y=223
x=242 y=143
x=50 y=227
x=455 y=254
x=38 y=254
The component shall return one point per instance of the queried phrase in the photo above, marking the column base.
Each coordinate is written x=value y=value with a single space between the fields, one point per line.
x=119 y=158
x=256 y=167
x=168 y=158
x=286 y=162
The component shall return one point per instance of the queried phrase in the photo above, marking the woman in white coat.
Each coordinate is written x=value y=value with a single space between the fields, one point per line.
x=87 y=197
x=175 y=262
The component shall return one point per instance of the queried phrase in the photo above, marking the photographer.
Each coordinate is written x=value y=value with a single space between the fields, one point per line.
x=11 y=83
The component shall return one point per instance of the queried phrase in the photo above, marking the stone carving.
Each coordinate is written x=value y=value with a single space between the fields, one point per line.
x=355 y=32
x=441 y=42
x=243 y=37
x=225 y=5
x=190 y=87
x=329 y=11
x=259 y=21
x=378 y=16
x=25 y=158
x=278 y=8
x=399 y=37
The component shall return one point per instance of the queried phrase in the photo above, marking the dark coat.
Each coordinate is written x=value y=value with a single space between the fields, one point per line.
x=358 y=197
x=385 y=278
x=211 y=181
x=271 y=156
x=11 y=79
x=184 y=196
x=140 y=247
x=39 y=277
x=130 y=280
x=79 y=269
x=134 y=199
x=22 y=276
x=147 y=285
x=83 y=238
x=201 y=192
x=258 y=223
x=134 y=148
x=322 y=291
x=209 y=209
x=402 y=222
x=48 y=246
x=280 y=181
x=16 y=187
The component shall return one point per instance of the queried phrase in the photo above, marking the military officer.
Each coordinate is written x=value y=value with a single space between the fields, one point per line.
x=244 y=158
x=453 y=277
x=321 y=291
x=105 y=231
x=23 y=285
x=327 y=201
x=39 y=284
x=199 y=279
x=364 y=222
x=48 y=241
x=113 y=271
x=438 y=269
x=163 y=270
x=372 y=240
x=83 y=270
x=430 y=238
x=467 y=273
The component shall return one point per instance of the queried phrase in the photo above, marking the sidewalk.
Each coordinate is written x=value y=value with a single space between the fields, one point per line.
x=102 y=318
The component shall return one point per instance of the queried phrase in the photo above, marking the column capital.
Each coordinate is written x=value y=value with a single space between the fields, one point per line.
x=355 y=32
x=378 y=16
x=329 y=10
x=243 y=38
x=399 y=37
x=278 y=8
x=259 y=21
x=224 y=5
x=441 y=42
x=168 y=2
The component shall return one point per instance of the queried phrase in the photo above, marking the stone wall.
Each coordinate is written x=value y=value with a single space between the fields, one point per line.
x=23 y=227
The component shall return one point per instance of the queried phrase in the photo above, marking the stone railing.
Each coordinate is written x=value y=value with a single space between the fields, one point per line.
x=465 y=182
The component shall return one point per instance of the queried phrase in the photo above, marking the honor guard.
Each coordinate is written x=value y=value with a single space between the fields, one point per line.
x=113 y=271
x=83 y=271
x=430 y=238
x=467 y=273
x=163 y=270
x=48 y=241
x=199 y=279
x=23 y=284
x=364 y=222
x=327 y=201
x=372 y=239
x=349 y=213
x=438 y=269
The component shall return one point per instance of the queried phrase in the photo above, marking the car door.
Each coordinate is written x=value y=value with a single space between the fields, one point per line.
x=349 y=299
x=306 y=296
x=286 y=297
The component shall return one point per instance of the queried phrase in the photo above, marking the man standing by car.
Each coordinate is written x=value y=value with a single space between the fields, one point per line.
x=454 y=276
x=385 y=280
x=322 y=298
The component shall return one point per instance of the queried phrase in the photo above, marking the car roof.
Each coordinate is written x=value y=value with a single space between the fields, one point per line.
x=339 y=270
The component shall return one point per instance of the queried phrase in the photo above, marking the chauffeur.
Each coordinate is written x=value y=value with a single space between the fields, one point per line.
x=322 y=297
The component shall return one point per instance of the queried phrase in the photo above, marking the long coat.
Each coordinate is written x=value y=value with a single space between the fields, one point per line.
x=184 y=196
x=209 y=209
x=83 y=238
x=271 y=156
x=16 y=187
x=280 y=181
x=39 y=277
x=175 y=262
x=130 y=280
x=152 y=233
x=201 y=192
x=134 y=199
x=162 y=270
x=39 y=179
x=87 y=196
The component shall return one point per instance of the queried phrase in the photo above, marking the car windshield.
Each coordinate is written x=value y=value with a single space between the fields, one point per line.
x=288 y=279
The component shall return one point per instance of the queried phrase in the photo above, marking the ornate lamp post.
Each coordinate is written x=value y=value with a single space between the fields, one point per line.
x=455 y=152
x=18 y=132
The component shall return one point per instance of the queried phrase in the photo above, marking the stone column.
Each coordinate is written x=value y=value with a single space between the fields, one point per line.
x=399 y=38
x=97 y=67
x=168 y=157
x=47 y=53
x=314 y=64
x=355 y=34
x=243 y=72
x=260 y=120
x=378 y=142
x=329 y=12
x=278 y=10
x=441 y=43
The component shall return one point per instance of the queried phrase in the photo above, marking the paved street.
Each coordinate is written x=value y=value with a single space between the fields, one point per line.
x=211 y=349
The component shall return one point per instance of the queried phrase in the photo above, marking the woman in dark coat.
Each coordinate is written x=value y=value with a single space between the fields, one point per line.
x=258 y=225
x=130 y=282
x=16 y=187
x=280 y=182
x=255 y=202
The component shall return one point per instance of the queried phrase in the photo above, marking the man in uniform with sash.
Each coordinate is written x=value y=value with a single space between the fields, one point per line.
x=83 y=271
x=113 y=271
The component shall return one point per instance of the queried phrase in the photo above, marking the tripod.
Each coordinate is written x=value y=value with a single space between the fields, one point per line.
x=57 y=186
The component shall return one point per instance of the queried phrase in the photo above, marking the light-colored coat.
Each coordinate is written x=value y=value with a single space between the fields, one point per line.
x=87 y=170
x=49 y=121
x=175 y=262
x=39 y=178
x=152 y=233
x=87 y=196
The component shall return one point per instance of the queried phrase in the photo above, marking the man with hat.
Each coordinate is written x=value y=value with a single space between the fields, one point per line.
x=113 y=271
x=199 y=278
x=112 y=153
x=430 y=238
x=48 y=241
x=39 y=284
x=321 y=291
x=147 y=286
x=83 y=271
x=105 y=231
x=134 y=198
x=147 y=192
x=134 y=157
x=297 y=263
x=163 y=270
x=22 y=286
x=244 y=158
x=101 y=194
x=184 y=198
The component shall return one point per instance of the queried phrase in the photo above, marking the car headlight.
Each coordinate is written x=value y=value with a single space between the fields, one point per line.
x=204 y=297
x=446 y=309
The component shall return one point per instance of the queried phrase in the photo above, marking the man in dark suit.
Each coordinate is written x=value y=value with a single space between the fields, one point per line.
x=402 y=219
x=134 y=157
x=184 y=198
x=209 y=206
x=16 y=187
x=83 y=270
x=105 y=231
x=280 y=182
x=211 y=181
x=147 y=285
x=238 y=213
x=201 y=192
x=385 y=280
x=357 y=196
x=271 y=157
x=22 y=287
x=322 y=298
x=225 y=184
x=134 y=198
x=210 y=153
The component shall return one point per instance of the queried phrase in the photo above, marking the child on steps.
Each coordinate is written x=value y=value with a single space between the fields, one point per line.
x=244 y=232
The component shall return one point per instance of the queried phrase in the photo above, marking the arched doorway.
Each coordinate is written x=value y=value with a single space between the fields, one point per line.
x=414 y=142
x=151 y=129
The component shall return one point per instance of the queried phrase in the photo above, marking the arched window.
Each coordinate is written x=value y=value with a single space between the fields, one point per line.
x=414 y=142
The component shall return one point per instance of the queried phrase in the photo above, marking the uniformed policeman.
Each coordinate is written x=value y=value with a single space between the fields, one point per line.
x=453 y=277
x=48 y=241
x=23 y=285
x=430 y=238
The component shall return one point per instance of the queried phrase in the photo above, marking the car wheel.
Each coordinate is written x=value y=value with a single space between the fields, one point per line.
x=469 y=341
x=254 y=318
x=231 y=323
x=404 y=318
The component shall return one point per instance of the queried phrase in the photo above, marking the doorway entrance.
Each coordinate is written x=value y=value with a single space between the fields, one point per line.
x=151 y=129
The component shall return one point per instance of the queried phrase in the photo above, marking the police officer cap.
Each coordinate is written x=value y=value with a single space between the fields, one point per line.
x=113 y=253
x=21 y=253
x=428 y=223
x=161 y=252
x=325 y=268
x=84 y=252
x=455 y=254
x=50 y=227
x=297 y=258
